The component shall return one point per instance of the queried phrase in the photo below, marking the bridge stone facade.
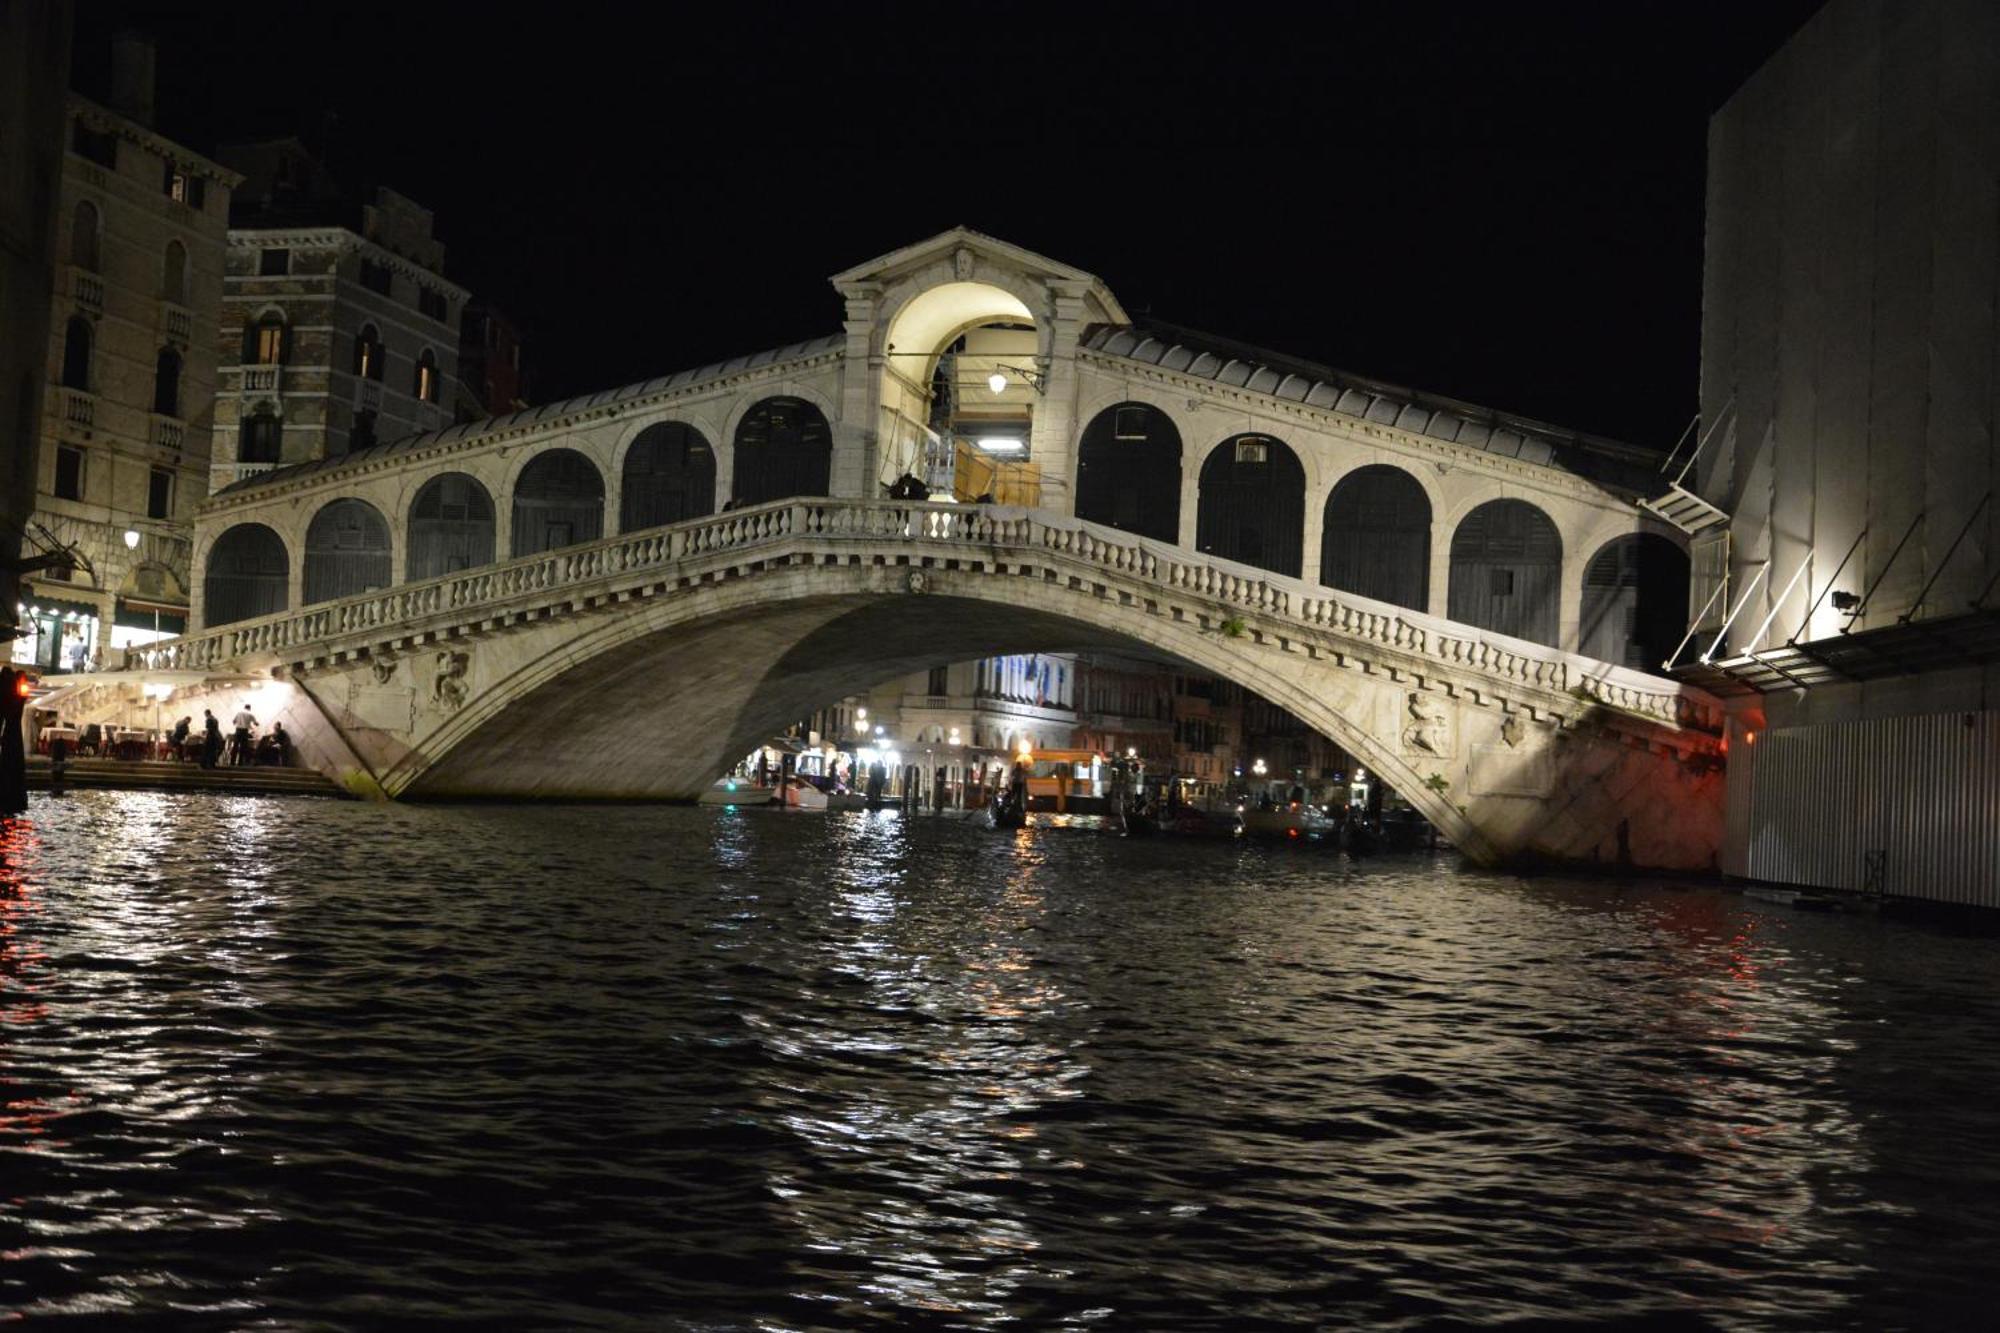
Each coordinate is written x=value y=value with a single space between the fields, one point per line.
x=639 y=666
x=555 y=661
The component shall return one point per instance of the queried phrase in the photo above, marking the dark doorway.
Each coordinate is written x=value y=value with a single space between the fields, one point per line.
x=1128 y=472
x=1635 y=601
x=1377 y=539
x=1253 y=504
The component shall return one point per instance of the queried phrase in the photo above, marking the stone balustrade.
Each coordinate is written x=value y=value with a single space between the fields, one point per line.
x=1260 y=603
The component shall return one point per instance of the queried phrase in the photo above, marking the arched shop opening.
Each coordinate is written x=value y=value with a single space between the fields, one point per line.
x=1128 y=471
x=669 y=476
x=246 y=576
x=347 y=551
x=558 y=502
x=784 y=447
x=1377 y=538
x=1506 y=571
x=451 y=527
x=1253 y=504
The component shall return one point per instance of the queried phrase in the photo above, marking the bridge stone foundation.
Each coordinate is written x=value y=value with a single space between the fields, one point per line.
x=641 y=666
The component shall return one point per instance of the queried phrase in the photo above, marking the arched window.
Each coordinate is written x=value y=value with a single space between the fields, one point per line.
x=669 y=476
x=425 y=384
x=368 y=356
x=1377 y=538
x=1128 y=471
x=167 y=383
x=451 y=527
x=83 y=237
x=262 y=437
x=76 y=354
x=783 y=448
x=559 y=501
x=1253 y=504
x=347 y=551
x=174 y=274
x=264 y=341
x=246 y=576
x=1635 y=601
x=1506 y=571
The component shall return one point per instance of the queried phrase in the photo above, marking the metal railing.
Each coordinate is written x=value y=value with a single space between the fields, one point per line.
x=1270 y=604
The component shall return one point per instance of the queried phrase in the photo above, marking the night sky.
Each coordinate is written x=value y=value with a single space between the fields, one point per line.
x=1497 y=202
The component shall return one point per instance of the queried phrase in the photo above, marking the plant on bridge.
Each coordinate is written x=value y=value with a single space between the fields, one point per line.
x=1437 y=783
x=1232 y=628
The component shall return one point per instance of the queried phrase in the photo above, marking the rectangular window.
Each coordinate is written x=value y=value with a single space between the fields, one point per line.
x=270 y=344
x=432 y=303
x=1129 y=424
x=98 y=147
x=940 y=682
x=274 y=263
x=69 y=473
x=160 y=494
x=1253 y=451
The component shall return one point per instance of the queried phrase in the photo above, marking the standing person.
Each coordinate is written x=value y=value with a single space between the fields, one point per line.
x=211 y=739
x=13 y=742
x=178 y=742
x=244 y=723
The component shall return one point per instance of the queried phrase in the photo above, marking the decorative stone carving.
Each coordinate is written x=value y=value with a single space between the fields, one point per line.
x=916 y=581
x=384 y=666
x=1511 y=730
x=961 y=264
x=449 y=688
x=1428 y=730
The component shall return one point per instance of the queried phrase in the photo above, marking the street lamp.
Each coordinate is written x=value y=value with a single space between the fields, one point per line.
x=1258 y=768
x=131 y=539
x=997 y=382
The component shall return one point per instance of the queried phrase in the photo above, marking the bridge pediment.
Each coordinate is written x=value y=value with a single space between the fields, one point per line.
x=965 y=259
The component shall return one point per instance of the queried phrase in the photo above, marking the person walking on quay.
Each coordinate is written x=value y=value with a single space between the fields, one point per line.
x=177 y=743
x=13 y=742
x=243 y=723
x=211 y=739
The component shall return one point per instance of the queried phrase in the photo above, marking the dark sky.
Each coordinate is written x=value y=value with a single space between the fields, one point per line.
x=1500 y=202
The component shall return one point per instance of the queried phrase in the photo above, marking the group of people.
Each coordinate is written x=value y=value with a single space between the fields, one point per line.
x=243 y=746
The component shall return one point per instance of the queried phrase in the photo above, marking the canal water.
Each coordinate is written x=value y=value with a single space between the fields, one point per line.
x=275 y=1063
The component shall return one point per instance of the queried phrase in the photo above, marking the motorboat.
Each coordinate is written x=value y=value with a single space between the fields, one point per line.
x=738 y=791
x=802 y=795
x=1295 y=822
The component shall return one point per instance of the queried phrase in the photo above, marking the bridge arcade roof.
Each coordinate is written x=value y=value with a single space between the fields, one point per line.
x=1204 y=356
x=685 y=379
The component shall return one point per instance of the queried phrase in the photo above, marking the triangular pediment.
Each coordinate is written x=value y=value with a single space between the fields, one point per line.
x=946 y=246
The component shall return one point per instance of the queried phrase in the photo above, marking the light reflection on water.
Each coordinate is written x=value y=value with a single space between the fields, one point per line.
x=304 y=1062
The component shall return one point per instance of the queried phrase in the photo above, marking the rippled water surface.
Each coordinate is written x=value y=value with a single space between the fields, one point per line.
x=286 y=1063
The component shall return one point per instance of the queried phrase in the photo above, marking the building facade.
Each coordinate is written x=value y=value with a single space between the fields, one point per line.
x=130 y=379
x=1850 y=383
x=34 y=57
x=338 y=329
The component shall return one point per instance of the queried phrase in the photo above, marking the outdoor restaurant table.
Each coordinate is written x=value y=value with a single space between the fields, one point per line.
x=127 y=736
x=48 y=734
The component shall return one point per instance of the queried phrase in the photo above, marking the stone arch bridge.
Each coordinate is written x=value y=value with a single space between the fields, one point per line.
x=639 y=666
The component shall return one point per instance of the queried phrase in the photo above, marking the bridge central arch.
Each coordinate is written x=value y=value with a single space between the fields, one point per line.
x=613 y=715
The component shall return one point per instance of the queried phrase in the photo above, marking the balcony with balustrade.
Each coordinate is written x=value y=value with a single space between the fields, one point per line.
x=87 y=288
x=168 y=432
x=263 y=380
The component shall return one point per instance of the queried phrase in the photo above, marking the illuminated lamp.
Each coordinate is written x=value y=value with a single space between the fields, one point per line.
x=997 y=382
x=1002 y=444
x=131 y=539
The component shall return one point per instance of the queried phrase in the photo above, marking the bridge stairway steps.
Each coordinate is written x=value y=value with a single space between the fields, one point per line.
x=1686 y=510
x=146 y=775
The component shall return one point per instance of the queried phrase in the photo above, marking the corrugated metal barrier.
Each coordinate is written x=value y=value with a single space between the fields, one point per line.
x=1907 y=805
